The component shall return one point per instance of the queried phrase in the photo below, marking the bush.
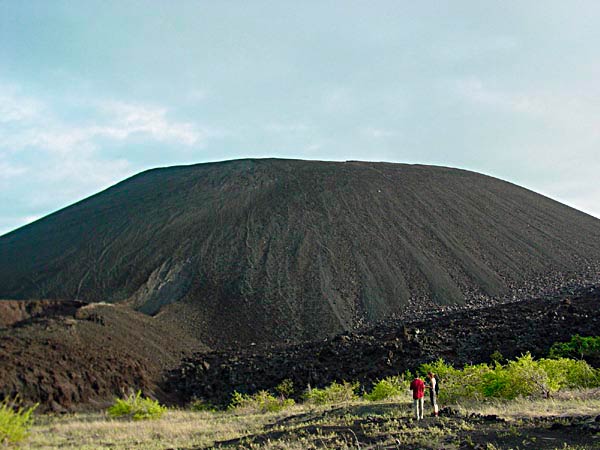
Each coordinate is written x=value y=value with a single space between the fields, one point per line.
x=262 y=401
x=334 y=393
x=15 y=421
x=286 y=388
x=456 y=384
x=577 y=347
x=569 y=373
x=137 y=407
x=388 y=387
x=521 y=377
x=200 y=405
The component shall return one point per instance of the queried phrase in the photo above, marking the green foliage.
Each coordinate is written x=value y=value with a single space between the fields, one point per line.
x=577 y=347
x=522 y=377
x=496 y=357
x=285 y=388
x=388 y=387
x=519 y=378
x=456 y=383
x=201 y=405
x=262 y=401
x=15 y=421
x=136 y=407
x=334 y=393
x=569 y=373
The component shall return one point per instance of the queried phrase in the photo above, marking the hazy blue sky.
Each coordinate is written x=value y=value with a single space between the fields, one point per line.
x=92 y=92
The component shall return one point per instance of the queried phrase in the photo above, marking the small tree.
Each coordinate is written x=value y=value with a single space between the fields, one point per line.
x=285 y=389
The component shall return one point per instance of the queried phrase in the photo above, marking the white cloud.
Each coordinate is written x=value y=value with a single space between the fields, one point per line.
x=556 y=154
x=10 y=170
x=576 y=110
x=116 y=121
x=52 y=161
x=14 y=107
x=129 y=119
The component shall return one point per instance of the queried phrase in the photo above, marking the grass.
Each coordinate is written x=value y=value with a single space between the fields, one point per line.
x=568 y=403
x=176 y=428
x=355 y=424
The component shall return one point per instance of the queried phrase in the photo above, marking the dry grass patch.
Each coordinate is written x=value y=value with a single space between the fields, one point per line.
x=177 y=428
x=300 y=427
x=174 y=429
x=569 y=403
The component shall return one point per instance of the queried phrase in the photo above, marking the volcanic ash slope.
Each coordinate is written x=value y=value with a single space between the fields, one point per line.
x=275 y=250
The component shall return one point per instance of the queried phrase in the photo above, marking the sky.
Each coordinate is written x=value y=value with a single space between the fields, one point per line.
x=92 y=92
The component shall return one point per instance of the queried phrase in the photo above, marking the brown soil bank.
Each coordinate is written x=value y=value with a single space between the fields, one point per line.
x=274 y=250
x=68 y=355
x=469 y=336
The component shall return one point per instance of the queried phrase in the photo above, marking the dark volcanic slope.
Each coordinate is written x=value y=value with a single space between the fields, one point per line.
x=66 y=354
x=466 y=336
x=267 y=250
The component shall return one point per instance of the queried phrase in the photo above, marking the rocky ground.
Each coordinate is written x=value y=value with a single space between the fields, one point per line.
x=385 y=427
x=459 y=337
x=71 y=356
x=67 y=355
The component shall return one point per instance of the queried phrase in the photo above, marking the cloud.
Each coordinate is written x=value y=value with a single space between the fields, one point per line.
x=129 y=119
x=10 y=170
x=16 y=108
x=117 y=121
x=53 y=155
x=475 y=91
x=556 y=152
x=569 y=109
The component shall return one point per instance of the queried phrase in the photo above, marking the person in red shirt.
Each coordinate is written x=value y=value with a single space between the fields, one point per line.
x=417 y=387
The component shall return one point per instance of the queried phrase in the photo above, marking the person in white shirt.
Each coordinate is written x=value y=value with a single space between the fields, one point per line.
x=433 y=392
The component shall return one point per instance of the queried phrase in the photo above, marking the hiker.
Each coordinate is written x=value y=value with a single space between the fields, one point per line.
x=417 y=387
x=433 y=391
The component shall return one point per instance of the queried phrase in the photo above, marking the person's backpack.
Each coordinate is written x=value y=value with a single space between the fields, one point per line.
x=437 y=385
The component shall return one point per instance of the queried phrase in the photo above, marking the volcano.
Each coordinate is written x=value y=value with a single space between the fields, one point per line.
x=274 y=251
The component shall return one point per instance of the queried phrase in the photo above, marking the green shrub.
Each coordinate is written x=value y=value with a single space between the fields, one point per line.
x=137 y=407
x=497 y=357
x=201 y=405
x=570 y=373
x=15 y=421
x=262 y=401
x=388 y=387
x=457 y=384
x=521 y=377
x=334 y=393
x=497 y=382
x=577 y=347
x=286 y=388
